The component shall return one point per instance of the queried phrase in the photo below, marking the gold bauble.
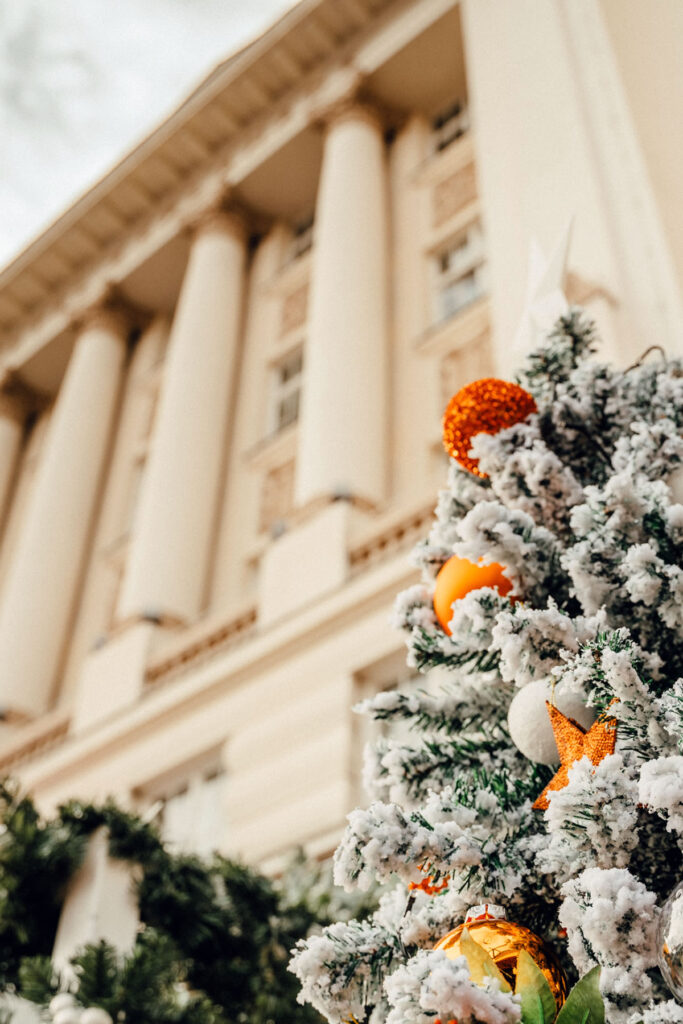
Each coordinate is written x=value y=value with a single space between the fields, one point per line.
x=504 y=941
x=670 y=942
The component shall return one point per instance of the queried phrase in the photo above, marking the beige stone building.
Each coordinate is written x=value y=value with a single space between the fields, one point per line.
x=224 y=368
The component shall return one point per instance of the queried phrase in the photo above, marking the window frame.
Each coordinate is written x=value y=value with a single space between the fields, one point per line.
x=449 y=125
x=303 y=239
x=283 y=390
x=187 y=782
x=447 y=278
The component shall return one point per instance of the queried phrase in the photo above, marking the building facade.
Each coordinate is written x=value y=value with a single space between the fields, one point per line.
x=223 y=372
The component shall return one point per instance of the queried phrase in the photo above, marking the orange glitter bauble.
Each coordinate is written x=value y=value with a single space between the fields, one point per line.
x=482 y=407
x=504 y=941
x=457 y=577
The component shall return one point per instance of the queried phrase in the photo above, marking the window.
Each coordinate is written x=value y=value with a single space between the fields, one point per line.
x=460 y=272
x=302 y=240
x=450 y=125
x=191 y=813
x=286 y=391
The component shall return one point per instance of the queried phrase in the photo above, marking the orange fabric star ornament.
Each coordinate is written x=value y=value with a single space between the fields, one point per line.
x=573 y=743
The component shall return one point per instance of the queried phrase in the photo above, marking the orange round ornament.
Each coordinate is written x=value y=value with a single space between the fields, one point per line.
x=482 y=407
x=457 y=577
x=503 y=941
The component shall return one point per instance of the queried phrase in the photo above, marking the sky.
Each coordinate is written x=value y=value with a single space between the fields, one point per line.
x=81 y=81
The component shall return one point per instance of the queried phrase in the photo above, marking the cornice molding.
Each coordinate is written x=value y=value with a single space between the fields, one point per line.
x=125 y=218
x=232 y=97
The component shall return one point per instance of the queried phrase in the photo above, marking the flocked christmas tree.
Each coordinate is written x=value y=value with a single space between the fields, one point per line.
x=559 y=619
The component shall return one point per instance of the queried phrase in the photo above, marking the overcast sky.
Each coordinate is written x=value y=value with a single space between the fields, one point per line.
x=82 y=80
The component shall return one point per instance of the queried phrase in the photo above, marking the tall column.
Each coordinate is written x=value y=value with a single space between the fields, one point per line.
x=173 y=533
x=343 y=427
x=44 y=576
x=12 y=421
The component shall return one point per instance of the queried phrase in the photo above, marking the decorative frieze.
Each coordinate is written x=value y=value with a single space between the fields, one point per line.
x=34 y=740
x=210 y=643
x=394 y=538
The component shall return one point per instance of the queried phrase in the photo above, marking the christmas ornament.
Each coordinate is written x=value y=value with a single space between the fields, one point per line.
x=95 y=1015
x=457 y=577
x=482 y=407
x=573 y=743
x=62 y=1001
x=429 y=884
x=530 y=727
x=504 y=941
x=670 y=942
x=67 y=1015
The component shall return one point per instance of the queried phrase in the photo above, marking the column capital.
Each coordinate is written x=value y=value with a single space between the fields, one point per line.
x=353 y=103
x=112 y=313
x=226 y=214
x=18 y=399
x=351 y=107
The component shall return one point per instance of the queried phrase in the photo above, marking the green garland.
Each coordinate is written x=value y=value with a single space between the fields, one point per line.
x=215 y=935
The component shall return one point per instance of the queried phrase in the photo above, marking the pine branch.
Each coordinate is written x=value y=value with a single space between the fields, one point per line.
x=97 y=969
x=428 y=653
x=38 y=981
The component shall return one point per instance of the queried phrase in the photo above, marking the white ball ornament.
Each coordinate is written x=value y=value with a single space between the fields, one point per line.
x=529 y=722
x=62 y=1001
x=67 y=1015
x=95 y=1015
